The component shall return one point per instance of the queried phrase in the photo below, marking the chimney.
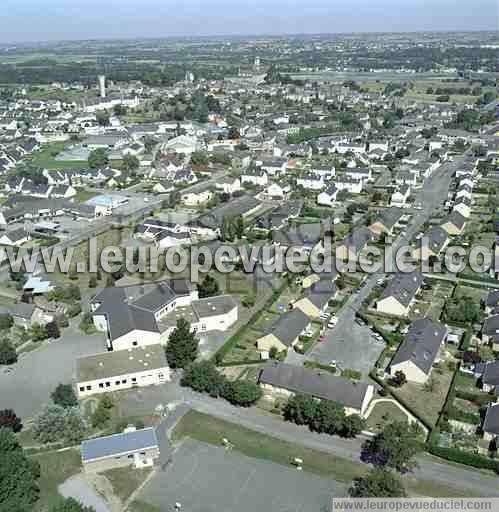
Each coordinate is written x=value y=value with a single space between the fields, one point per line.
x=102 y=86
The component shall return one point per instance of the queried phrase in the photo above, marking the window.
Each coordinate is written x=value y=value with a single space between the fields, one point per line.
x=123 y=381
x=101 y=384
x=135 y=343
x=117 y=383
x=134 y=379
x=143 y=454
x=82 y=388
x=108 y=384
x=89 y=388
x=130 y=456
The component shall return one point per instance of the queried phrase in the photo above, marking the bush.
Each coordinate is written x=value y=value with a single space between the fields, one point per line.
x=462 y=457
x=64 y=396
x=73 y=310
x=476 y=398
x=8 y=354
x=242 y=392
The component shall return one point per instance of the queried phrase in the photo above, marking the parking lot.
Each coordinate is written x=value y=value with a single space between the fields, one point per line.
x=37 y=373
x=205 y=478
x=351 y=345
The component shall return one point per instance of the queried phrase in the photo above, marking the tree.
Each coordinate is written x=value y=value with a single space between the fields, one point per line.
x=8 y=354
x=182 y=346
x=87 y=323
x=301 y=409
x=394 y=447
x=462 y=309
x=328 y=418
x=199 y=158
x=204 y=378
x=242 y=392
x=38 y=332
x=378 y=483
x=102 y=413
x=352 y=426
x=18 y=475
x=102 y=117
x=239 y=226
x=130 y=163
x=6 y=321
x=56 y=423
x=53 y=330
x=9 y=419
x=233 y=133
x=92 y=282
x=64 y=396
x=98 y=158
x=70 y=505
x=208 y=287
x=119 y=110
x=398 y=380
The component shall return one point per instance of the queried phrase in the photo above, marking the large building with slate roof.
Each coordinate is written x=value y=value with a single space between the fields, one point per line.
x=146 y=314
x=138 y=448
x=286 y=380
x=419 y=350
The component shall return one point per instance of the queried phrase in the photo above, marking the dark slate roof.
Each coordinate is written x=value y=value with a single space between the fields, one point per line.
x=421 y=344
x=303 y=235
x=319 y=384
x=491 y=420
x=357 y=239
x=403 y=287
x=492 y=299
x=491 y=325
x=288 y=326
x=456 y=219
x=390 y=217
x=278 y=217
x=437 y=237
x=16 y=234
x=23 y=310
x=491 y=373
x=118 y=444
x=240 y=206
x=321 y=292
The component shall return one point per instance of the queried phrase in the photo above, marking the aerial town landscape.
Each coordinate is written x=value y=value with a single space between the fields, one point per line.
x=246 y=272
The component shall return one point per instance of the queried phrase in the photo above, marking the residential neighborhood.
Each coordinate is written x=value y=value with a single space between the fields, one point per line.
x=248 y=273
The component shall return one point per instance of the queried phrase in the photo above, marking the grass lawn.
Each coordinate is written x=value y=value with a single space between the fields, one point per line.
x=142 y=506
x=212 y=430
x=281 y=305
x=383 y=413
x=266 y=319
x=84 y=195
x=233 y=283
x=45 y=158
x=477 y=294
x=55 y=468
x=245 y=348
x=427 y=400
x=466 y=383
x=126 y=480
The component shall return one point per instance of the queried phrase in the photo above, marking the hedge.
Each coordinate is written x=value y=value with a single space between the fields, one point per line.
x=462 y=457
x=453 y=413
x=477 y=399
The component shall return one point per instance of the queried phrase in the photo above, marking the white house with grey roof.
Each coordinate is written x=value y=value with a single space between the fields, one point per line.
x=137 y=448
x=142 y=315
x=400 y=293
x=419 y=350
x=284 y=380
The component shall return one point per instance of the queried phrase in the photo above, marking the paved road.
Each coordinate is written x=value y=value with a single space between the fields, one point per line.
x=351 y=345
x=37 y=373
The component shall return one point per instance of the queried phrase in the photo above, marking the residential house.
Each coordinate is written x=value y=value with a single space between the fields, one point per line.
x=400 y=196
x=418 y=352
x=257 y=177
x=15 y=237
x=490 y=426
x=310 y=181
x=432 y=243
x=400 y=293
x=490 y=377
x=328 y=197
x=490 y=331
x=454 y=223
x=285 y=332
x=229 y=185
x=196 y=198
x=351 y=185
x=283 y=380
x=316 y=298
x=387 y=220
x=352 y=245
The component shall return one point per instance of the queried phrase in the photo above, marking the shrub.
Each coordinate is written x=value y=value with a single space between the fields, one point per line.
x=462 y=457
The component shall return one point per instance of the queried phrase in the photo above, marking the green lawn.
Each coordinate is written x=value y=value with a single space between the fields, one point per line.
x=266 y=319
x=55 y=468
x=142 y=506
x=84 y=195
x=126 y=480
x=383 y=413
x=45 y=158
x=262 y=446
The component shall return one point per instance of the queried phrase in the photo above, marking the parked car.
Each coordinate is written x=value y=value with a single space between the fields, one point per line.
x=332 y=322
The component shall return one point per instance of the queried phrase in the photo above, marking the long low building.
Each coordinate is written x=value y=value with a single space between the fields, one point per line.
x=120 y=370
x=138 y=448
x=285 y=380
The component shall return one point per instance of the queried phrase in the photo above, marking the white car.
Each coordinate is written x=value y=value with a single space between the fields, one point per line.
x=332 y=322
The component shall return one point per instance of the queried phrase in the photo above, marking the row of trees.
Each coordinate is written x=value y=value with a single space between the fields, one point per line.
x=322 y=416
x=205 y=378
x=232 y=228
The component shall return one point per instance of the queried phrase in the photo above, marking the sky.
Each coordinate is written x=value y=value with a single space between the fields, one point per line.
x=50 y=20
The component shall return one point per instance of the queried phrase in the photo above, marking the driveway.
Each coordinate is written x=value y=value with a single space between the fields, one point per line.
x=37 y=373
